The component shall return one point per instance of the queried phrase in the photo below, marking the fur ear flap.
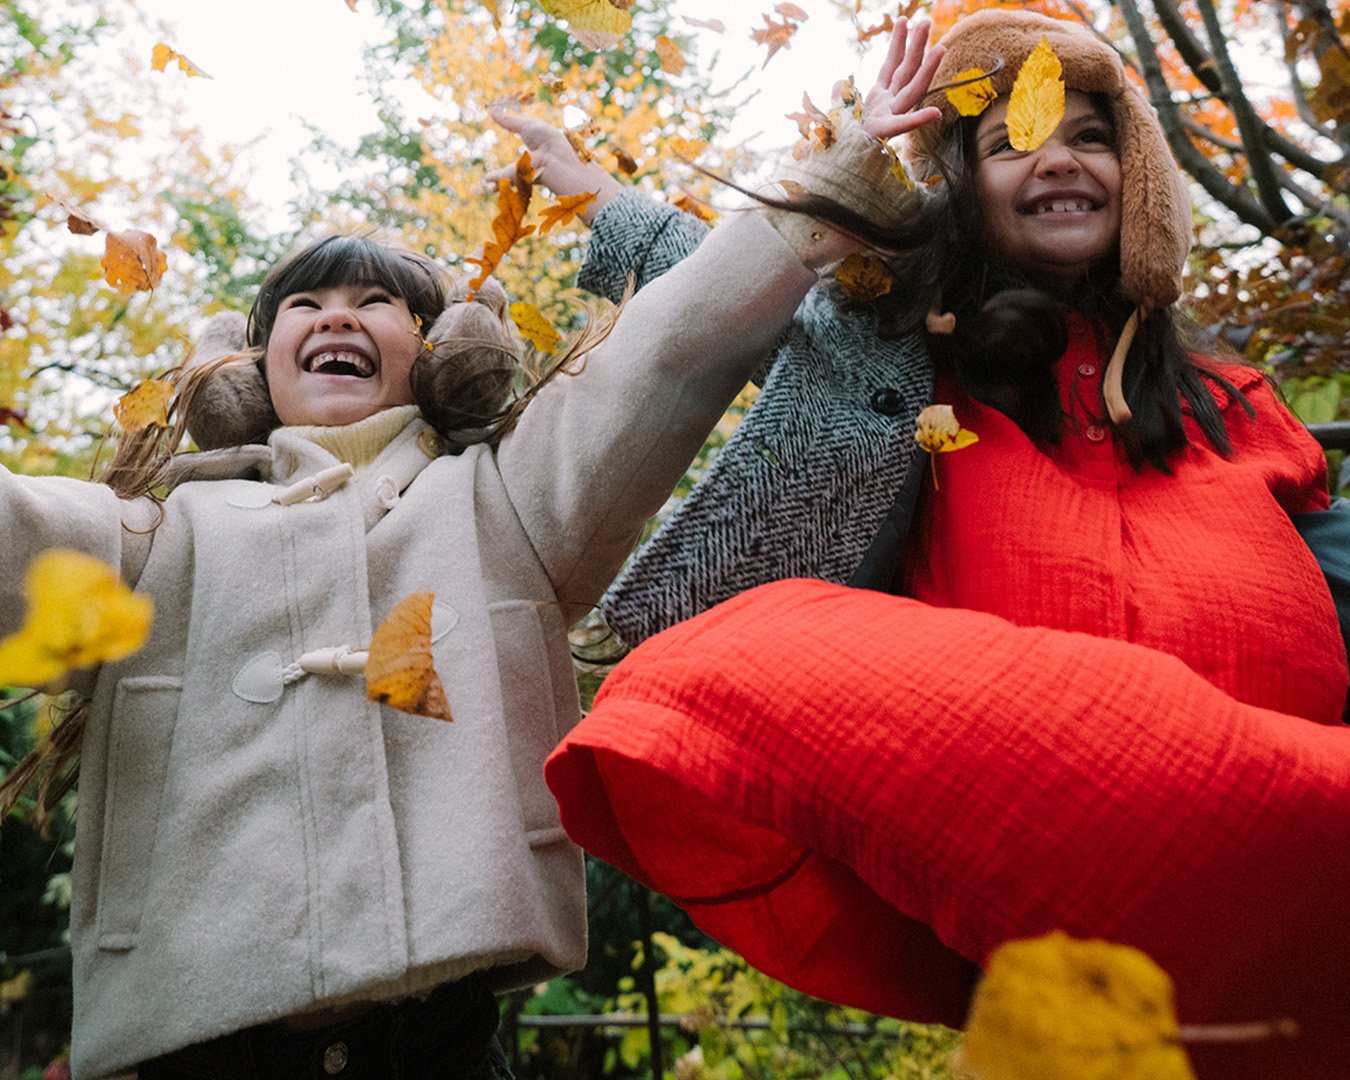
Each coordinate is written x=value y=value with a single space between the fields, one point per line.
x=232 y=406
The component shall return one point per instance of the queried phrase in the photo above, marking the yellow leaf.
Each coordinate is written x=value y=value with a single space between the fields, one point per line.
x=972 y=98
x=145 y=405
x=687 y=149
x=79 y=614
x=399 y=671
x=1088 y=1010
x=14 y=990
x=672 y=59
x=1036 y=104
x=132 y=261
x=564 y=210
x=531 y=323
x=161 y=55
x=604 y=16
x=863 y=277
x=513 y=199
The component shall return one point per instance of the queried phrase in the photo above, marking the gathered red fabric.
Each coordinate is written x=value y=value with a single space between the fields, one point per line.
x=866 y=794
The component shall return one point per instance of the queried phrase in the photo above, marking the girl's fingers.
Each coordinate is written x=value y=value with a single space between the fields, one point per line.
x=913 y=58
x=894 y=53
x=914 y=91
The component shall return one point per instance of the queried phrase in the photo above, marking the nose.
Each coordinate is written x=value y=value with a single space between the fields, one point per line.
x=1057 y=159
x=336 y=317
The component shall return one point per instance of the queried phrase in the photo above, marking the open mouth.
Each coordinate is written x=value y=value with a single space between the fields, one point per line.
x=1077 y=205
x=339 y=362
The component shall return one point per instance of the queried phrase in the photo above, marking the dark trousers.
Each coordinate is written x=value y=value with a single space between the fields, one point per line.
x=449 y=1035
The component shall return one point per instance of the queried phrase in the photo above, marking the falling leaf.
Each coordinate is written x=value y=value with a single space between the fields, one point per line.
x=351 y=5
x=1036 y=104
x=13 y=416
x=687 y=149
x=972 y=98
x=623 y=160
x=690 y=205
x=777 y=35
x=145 y=405
x=132 y=261
x=535 y=328
x=6 y=320
x=1057 y=1007
x=886 y=25
x=791 y=11
x=79 y=614
x=513 y=199
x=863 y=277
x=78 y=221
x=565 y=210
x=672 y=59
x=399 y=671
x=605 y=16
x=579 y=146
x=937 y=431
x=717 y=26
x=161 y=55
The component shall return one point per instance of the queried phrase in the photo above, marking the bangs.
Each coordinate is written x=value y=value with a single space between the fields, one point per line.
x=349 y=260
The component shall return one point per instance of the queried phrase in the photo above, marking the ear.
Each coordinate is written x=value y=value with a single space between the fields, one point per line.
x=232 y=406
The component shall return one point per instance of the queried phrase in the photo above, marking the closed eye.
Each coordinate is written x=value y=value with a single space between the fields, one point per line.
x=299 y=301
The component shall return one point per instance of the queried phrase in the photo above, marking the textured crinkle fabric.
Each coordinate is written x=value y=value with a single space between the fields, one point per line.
x=864 y=794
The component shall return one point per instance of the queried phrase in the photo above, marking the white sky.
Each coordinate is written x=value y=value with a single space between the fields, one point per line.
x=277 y=64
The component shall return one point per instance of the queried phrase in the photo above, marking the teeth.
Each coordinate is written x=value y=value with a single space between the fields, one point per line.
x=362 y=365
x=1060 y=206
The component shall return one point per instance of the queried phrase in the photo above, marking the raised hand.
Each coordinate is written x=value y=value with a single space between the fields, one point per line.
x=890 y=106
x=556 y=165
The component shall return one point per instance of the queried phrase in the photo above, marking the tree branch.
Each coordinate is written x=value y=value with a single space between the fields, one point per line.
x=1262 y=169
x=1218 y=186
x=1300 y=92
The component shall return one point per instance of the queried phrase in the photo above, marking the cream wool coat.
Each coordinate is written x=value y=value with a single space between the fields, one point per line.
x=241 y=860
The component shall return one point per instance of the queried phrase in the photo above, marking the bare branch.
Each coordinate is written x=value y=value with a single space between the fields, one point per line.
x=1262 y=169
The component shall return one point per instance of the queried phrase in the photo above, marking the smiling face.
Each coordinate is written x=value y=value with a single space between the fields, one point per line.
x=1054 y=211
x=340 y=353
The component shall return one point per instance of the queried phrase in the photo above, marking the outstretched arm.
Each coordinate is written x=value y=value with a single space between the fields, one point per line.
x=556 y=165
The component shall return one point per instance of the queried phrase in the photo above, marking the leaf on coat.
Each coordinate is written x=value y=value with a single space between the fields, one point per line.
x=564 y=210
x=79 y=614
x=132 y=261
x=937 y=431
x=145 y=405
x=161 y=56
x=1056 y=1006
x=1036 y=104
x=816 y=128
x=399 y=672
x=534 y=327
x=603 y=16
x=513 y=199
x=672 y=58
x=973 y=97
x=863 y=277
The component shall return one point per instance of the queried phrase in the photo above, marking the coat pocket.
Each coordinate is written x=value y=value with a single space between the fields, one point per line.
x=530 y=707
x=144 y=711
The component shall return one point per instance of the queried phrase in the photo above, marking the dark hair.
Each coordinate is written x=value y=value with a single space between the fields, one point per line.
x=354 y=259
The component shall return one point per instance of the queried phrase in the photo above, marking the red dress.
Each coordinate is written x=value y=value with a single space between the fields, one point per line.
x=865 y=794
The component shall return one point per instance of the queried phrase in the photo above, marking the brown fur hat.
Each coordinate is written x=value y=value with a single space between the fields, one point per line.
x=461 y=383
x=1156 y=226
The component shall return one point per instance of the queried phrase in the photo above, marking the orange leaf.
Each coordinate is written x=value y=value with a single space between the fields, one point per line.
x=791 y=11
x=161 y=55
x=351 y=5
x=145 y=405
x=399 y=671
x=1036 y=104
x=564 y=210
x=80 y=222
x=777 y=35
x=513 y=199
x=624 y=160
x=132 y=261
x=717 y=26
x=690 y=205
x=863 y=277
x=672 y=59
x=687 y=149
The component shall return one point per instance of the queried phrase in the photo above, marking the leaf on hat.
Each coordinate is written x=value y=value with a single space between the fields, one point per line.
x=132 y=261
x=513 y=199
x=603 y=16
x=672 y=59
x=399 y=671
x=564 y=210
x=972 y=98
x=161 y=56
x=534 y=327
x=79 y=614
x=937 y=431
x=1056 y=1006
x=1036 y=104
x=145 y=405
x=717 y=26
x=863 y=277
